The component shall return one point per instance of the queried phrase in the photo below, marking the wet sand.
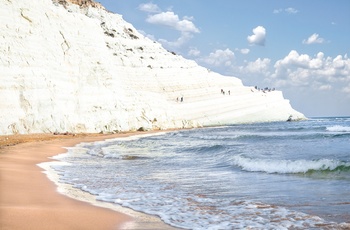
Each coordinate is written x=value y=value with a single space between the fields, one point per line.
x=29 y=200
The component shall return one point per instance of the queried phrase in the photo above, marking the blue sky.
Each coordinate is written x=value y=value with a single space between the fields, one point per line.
x=297 y=46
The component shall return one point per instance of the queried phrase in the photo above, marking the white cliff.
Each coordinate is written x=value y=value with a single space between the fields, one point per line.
x=83 y=69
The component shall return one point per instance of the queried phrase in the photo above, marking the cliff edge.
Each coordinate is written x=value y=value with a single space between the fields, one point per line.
x=72 y=66
x=81 y=3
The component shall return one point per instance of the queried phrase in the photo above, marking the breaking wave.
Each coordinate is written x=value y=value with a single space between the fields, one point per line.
x=338 y=128
x=289 y=166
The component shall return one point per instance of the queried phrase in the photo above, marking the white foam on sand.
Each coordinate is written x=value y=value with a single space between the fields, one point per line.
x=140 y=220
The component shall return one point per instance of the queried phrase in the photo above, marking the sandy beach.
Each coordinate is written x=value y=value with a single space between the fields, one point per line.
x=29 y=200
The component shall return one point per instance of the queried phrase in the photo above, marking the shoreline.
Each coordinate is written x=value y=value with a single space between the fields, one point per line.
x=31 y=197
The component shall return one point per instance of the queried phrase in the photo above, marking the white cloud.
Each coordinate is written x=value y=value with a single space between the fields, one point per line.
x=277 y=11
x=289 y=10
x=325 y=87
x=346 y=89
x=295 y=60
x=172 y=20
x=313 y=39
x=149 y=7
x=339 y=62
x=194 y=52
x=190 y=18
x=185 y=25
x=319 y=72
x=245 y=51
x=183 y=39
x=258 y=37
x=260 y=66
x=219 y=58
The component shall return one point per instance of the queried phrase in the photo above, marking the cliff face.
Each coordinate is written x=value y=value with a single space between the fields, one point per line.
x=78 y=68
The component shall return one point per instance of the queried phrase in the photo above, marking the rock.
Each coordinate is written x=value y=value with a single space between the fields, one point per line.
x=142 y=129
x=71 y=66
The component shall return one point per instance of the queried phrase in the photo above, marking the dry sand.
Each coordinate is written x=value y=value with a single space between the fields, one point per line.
x=29 y=200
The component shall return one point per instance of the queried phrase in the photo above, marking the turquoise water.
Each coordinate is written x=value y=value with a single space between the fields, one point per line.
x=281 y=175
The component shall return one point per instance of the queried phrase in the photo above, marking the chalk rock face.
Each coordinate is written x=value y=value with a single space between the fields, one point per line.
x=78 y=68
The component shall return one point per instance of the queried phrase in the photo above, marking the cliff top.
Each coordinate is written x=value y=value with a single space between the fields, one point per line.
x=81 y=3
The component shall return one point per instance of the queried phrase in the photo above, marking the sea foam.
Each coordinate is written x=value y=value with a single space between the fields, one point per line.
x=338 y=128
x=286 y=166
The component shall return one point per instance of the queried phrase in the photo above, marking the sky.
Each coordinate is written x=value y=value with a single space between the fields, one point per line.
x=301 y=47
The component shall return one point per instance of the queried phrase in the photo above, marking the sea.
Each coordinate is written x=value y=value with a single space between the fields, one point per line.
x=278 y=175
